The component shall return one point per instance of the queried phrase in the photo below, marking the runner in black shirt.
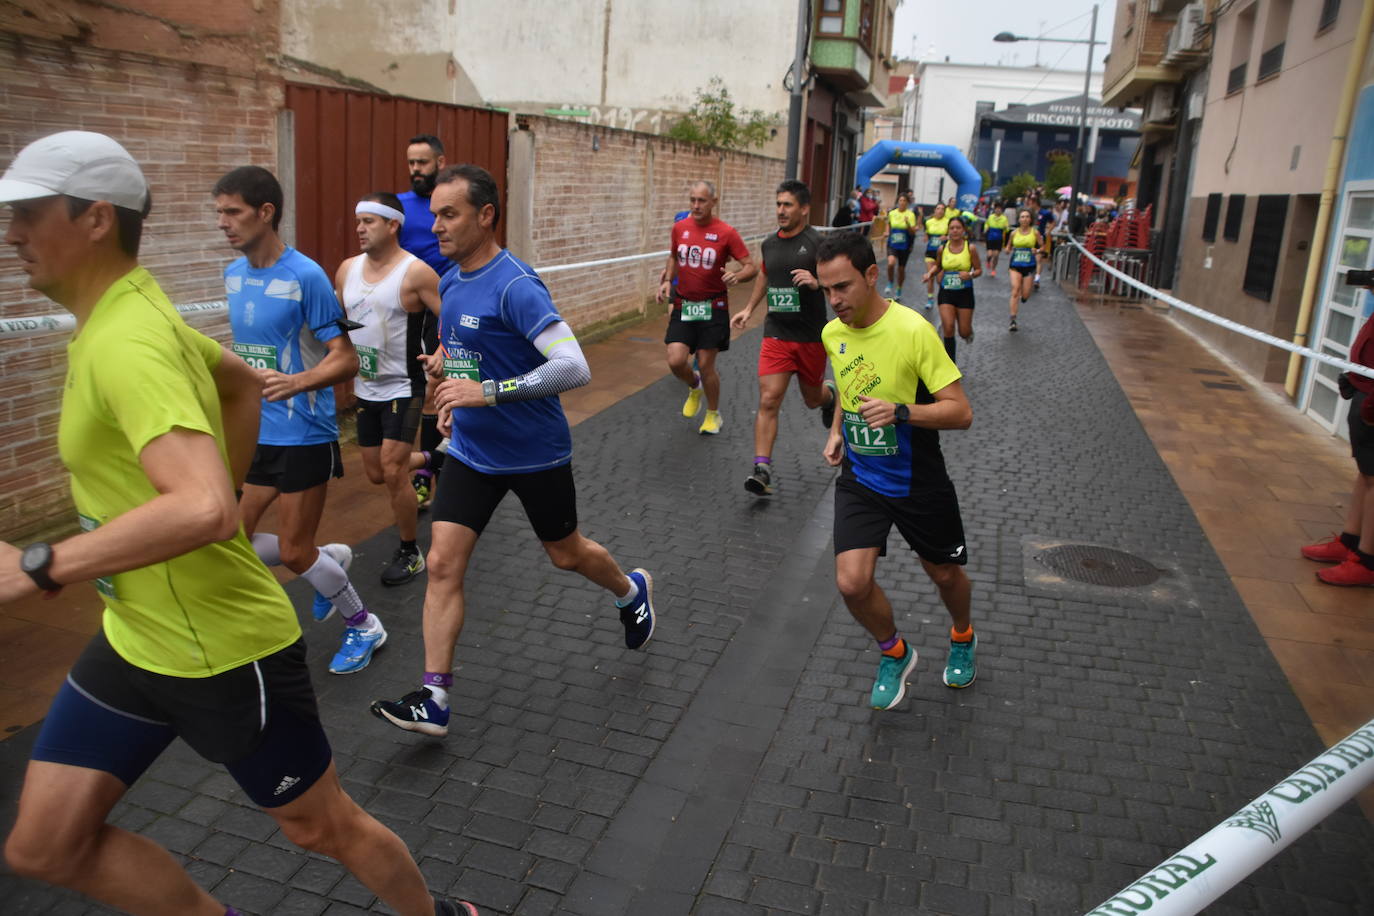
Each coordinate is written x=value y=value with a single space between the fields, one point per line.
x=792 y=332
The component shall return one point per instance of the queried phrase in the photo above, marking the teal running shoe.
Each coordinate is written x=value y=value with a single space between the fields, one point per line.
x=961 y=668
x=890 y=686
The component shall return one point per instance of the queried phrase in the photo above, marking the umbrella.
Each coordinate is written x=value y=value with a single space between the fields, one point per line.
x=1064 y=191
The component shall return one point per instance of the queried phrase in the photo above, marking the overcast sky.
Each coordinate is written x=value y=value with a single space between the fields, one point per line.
x=963 y=31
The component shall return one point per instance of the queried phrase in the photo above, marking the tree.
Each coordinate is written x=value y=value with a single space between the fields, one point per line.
x=713 y=121
x=987 y=179
x=1059 y=174
x=1017 y=186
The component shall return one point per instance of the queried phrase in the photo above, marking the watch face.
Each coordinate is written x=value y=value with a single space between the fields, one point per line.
x=35 y=556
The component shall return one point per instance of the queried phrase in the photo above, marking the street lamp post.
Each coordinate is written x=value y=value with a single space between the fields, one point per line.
x=1078 y=177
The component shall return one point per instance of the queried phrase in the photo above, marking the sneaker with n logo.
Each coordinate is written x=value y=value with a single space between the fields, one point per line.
x=414 y=712
x=638 y=618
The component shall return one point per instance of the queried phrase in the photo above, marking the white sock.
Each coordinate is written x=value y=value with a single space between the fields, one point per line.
x=629 y=597
x=439 y=695
x=268 y=549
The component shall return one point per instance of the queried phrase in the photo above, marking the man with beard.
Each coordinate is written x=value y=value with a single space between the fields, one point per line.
x=424 y=159
x=792 y=333
x=384 y=289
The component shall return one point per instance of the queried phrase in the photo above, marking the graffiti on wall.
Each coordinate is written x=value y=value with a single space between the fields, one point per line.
x=648 y=120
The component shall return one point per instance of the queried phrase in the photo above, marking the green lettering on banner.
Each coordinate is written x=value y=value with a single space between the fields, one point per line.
x=1133 y=899
x=461 y=368
x=696 y=311
x=1355 y=749
x=783 y=299
x=367 y=362
x=105 y=584
x=259 y=356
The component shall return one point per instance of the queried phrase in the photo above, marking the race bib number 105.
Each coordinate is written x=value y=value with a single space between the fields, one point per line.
x=696 y=311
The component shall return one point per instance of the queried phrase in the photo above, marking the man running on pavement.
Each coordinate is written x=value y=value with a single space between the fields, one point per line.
x=897 y=388
x=384 y=289
x=198 y=640
x=286 y=324
x=699 y=322
x=507 y=355
x=792 y=332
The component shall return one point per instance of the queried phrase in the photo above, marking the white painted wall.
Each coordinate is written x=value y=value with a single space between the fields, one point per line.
x=946 y=98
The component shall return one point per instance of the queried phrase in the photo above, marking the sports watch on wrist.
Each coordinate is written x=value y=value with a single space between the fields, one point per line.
x=35 y=561
x=902 y=414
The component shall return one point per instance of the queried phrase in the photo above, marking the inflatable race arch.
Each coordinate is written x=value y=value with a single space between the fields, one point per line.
x=933 y=155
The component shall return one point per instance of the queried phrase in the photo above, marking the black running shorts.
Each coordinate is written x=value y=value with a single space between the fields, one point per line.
x=398 y=420
x=469 y=497
x=901 y=254
x=930 y=523
x=295 y=468
x=959 y=298
x=259 y=720
x=1361 y=436
x=701 y=335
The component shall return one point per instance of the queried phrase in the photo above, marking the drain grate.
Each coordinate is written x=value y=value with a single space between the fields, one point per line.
x=1098 y=565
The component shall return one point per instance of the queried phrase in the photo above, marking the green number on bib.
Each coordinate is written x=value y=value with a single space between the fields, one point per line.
x=259 y=356
x=783 y=299
x=462 y=368
x=696 y=311
x=105 y=584
x=952 y=280
x=865 y=441
x=367 y=362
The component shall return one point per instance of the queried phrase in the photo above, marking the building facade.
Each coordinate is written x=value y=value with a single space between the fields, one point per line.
x=1027 y=138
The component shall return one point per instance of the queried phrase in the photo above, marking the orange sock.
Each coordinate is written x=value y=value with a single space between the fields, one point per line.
x=966 y=636
x=896 y=651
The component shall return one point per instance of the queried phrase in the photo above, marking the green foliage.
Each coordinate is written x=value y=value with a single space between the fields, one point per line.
x=987 y=179
x=714 y=121
x=1060 y=174
x=1018 y=185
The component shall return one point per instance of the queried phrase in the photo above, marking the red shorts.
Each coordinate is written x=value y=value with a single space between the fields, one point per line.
x=805 y=359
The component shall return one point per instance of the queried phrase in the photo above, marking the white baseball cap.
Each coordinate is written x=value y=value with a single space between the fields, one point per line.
x=77 y=163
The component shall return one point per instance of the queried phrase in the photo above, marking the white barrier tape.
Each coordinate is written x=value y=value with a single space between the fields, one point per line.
x=1226 y=322
x=1186 y=882
x=34 y=325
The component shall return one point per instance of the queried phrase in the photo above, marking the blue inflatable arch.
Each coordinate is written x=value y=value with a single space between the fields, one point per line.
x=937 y=155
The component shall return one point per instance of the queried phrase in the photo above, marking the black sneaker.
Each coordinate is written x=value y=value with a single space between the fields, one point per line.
x=414 y=712
x=405 y=565
x=828 y=410
x=1012 y=327
x=760 y=483
x=454 y=908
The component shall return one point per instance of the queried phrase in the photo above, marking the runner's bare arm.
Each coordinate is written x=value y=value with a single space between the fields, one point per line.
x=951 y=410
x=747 y=270
x=340 y=276
x=339 y=365
x=741 y=318
x=421 y=288
x=665 y=279
x=195 y=506
x=240 y=403
x=834 y=440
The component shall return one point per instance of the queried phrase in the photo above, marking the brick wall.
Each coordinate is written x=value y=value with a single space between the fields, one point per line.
x=186 y=124
x=596 y=192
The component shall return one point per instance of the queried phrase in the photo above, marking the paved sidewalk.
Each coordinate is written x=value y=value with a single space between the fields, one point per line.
x=733 y=767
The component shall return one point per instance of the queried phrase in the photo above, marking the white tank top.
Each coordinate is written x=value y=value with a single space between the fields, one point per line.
x=383 y=374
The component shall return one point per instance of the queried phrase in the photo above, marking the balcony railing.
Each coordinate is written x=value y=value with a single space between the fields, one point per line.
x=1271 y=62
x=1235 y=80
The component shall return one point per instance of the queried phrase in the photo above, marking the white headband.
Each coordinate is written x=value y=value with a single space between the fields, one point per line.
x=371 y=206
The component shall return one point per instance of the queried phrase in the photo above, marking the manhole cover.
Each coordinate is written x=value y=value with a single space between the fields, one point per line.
x=1098 y=565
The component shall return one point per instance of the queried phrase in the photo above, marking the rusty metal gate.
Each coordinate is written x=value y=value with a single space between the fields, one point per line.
x=351 y=143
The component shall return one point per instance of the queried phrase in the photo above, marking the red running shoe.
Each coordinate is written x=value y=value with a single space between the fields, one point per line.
x=1330 y=550
x=1349 y=572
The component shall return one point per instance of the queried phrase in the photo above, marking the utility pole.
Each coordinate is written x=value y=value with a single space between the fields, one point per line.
x=794 y=110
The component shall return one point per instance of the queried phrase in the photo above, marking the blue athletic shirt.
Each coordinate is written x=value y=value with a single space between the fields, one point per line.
x=417 y=232
x=488 y=324
x=281 y=318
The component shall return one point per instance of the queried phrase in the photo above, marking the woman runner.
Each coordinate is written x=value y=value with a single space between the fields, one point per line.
x=1026 y=241
x=936 y=227
x=901 y=231
x=995 y=233
x=957 y=263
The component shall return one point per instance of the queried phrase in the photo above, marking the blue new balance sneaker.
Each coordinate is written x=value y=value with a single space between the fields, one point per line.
x=322 y=608
x=414 y=712
x=356 y=650
x=638 y=618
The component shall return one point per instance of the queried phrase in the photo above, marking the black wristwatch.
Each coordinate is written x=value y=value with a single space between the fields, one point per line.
x=35 y=561
x=902 y=413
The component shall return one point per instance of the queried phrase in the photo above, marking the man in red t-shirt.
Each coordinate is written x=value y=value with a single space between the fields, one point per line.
x=1353 y=549
x=868 y=206
x=699 y=320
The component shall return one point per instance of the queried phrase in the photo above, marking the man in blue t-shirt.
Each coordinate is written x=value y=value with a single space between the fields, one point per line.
x=424 y=159
x=286 y=324
x=507 y=355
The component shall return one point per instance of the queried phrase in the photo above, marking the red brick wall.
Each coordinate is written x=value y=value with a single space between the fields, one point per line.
x=619 y=199
x=186 y=125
